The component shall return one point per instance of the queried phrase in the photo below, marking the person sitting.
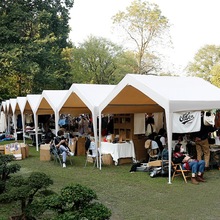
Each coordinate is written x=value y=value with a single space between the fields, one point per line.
x=197 y=167
x=153 y=150
x=61 y=144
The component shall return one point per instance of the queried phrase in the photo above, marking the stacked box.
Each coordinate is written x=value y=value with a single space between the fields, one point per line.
x=2 y=149
x=45 y=152
x=81 y=151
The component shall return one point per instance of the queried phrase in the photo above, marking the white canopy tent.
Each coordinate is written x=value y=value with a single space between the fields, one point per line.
x=8 y=114
x=48 y=104
x=3 y=121
x=31 y=107
x=144 y=93
x=21 y=104
x=13 y=103
x=85 y=98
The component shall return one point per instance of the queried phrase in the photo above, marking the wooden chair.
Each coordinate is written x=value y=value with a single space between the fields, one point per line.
x=178 y=171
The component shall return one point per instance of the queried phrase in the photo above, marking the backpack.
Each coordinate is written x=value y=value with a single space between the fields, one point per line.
x=87 y=143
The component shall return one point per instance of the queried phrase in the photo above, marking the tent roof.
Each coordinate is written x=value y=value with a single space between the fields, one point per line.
x=146 y=93
x=3 y=106
x=84 y=98
x=32 y=103
x=50 y=101
x=21 y=103
x=13 y=103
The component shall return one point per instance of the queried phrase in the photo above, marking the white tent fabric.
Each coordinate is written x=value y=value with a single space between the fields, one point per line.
x=48 y=104
x=21 y=104
x=3 y=124
x=13 y=103
x=145 y=93
x=186 y=122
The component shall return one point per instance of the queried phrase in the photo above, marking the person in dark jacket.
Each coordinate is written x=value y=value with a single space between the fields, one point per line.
x=201 y=141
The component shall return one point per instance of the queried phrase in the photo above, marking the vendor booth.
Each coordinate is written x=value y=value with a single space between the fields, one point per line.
x=144 y=93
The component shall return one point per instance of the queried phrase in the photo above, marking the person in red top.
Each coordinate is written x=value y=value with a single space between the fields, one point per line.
x=196 y=166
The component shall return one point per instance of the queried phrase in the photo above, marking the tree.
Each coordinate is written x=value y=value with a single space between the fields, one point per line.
x=26 y=190
x=7 y=168
x=145 y=26
x=95 y=61
x=204 y=61
x=215 y=73
x=33 y=36
x=76 y=202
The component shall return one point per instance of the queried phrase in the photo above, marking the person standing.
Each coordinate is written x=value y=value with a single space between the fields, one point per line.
x=201 y=141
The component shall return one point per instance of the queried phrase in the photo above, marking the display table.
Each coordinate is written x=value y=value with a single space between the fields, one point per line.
x=118 y=150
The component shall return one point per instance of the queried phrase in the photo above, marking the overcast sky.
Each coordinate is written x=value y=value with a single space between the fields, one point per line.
x=195 y=23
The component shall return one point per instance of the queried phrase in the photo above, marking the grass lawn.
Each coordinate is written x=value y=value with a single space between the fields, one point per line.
x=132 y=196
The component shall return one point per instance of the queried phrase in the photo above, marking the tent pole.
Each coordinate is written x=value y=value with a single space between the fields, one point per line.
x=169 y=117
x=100 y=138
x=94 y=118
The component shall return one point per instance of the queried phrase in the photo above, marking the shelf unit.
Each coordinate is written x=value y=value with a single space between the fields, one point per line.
x=124 y=126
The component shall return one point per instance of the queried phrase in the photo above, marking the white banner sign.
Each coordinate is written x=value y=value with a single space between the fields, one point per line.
x=186 y=122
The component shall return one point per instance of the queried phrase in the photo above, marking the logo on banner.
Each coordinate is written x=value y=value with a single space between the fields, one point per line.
x=186 y=118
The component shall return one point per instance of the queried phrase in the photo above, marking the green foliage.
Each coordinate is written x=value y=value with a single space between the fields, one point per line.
x=145 y=26
x=204 y=61
x=33 y=35
x=25 y=190
x=74 y=201
x=7 y=168
x=77 y=202
x=215 y=72
x=95 y=61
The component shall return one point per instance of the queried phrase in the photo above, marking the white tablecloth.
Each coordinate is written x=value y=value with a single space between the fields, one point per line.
x=118 y=150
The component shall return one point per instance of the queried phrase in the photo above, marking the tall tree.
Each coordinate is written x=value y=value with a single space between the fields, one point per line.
x=145 y=26
x=204 y=61
x=215 y=72
x=96 y=61
x=33 y=35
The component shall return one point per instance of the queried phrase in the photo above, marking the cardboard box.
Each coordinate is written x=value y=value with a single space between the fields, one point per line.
x=81 y=151
x=23 y=150
x=2 y=149
x=15 y=149
x=107 y=159
x=156 y=163
x=27 y=151
x=45 y=152
x=125 y=161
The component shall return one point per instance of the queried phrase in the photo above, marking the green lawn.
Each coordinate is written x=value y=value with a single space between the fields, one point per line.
x=133 y=196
